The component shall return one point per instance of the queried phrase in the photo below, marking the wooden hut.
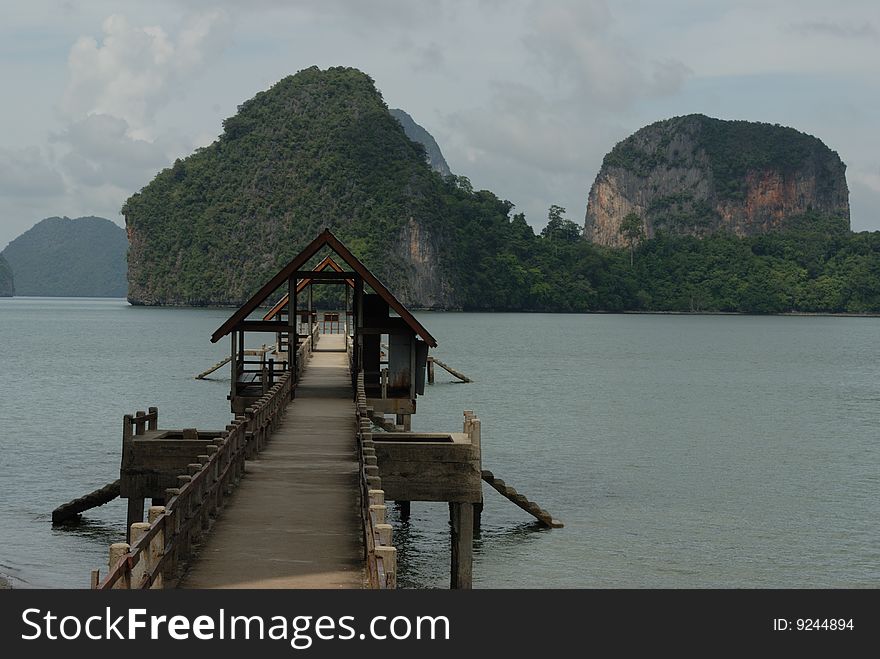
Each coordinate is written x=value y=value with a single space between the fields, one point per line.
x=382 y=336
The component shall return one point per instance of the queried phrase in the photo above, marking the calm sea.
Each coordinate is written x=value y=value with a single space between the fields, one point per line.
x=680 y=451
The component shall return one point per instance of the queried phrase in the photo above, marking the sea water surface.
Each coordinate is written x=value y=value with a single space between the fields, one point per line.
x=680 y=451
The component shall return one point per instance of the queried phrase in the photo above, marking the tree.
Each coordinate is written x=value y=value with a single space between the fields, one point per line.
x=558 y=228
x=633 y=230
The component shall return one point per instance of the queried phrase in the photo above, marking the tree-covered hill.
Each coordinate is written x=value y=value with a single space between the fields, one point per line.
x=83 y=257
x=7 y=286
x=319 y=149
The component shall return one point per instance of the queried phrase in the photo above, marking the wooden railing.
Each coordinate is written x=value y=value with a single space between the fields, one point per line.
x=161 y=546
x=380 y=554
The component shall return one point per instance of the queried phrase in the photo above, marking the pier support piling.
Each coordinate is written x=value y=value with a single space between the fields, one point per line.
x=135 y=515
x=462 y=531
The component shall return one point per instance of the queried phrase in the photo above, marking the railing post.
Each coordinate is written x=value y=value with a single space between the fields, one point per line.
x=385 y=532
x=140 y=424
x=172 y=531
x=207 y=483
x=141 y=568
x=216 y=491
x=117 y=551
x=156 y=549
x=184 y=512
x=389 y=561
x=126 y=428
x=153 y=424
x=196 y=501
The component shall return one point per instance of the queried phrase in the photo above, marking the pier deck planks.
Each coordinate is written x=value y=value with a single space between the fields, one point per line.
x=294 y=522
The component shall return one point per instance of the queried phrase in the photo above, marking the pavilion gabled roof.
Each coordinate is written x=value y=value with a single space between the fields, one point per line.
x=324 y=239
x=328 y=262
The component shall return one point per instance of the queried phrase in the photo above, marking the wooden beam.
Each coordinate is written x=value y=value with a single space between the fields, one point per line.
x=273 y=326
x=94 y=499
x=386 y=330
x=328 y=239
x=328 y=275
x=293 y=335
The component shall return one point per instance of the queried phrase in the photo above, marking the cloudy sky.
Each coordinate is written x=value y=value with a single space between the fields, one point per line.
x=523 y=96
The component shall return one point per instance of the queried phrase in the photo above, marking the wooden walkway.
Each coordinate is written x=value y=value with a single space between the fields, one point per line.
x=294 y=522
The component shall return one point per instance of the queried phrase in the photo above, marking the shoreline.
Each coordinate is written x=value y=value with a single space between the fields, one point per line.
x=592 y=312
x=4 y=584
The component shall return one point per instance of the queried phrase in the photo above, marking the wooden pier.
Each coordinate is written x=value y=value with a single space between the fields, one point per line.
x=292 y=493
x=298 y=498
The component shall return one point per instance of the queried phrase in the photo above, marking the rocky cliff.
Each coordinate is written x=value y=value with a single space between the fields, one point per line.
x=319 y=149
x=418 y=134
x=63 y=257
x=697 y=175
x=7 y=287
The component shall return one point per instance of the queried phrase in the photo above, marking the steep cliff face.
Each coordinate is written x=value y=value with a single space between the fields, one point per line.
x=697 y=175
x=319 y=149
x=418 y=134
x=7 y=286
x=421 y=279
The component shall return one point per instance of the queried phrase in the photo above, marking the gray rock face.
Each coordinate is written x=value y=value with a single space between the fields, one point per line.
x=697 y=175
x=418 y=134
x=424 y=285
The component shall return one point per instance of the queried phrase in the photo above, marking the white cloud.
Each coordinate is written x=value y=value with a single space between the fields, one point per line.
x=519 y=124
x=101 y=151
x=110 y=143
x=578 y=41
x=865 y=30
x=134 y=71
x=524 y=97
x=541 y=142
x=26 y=173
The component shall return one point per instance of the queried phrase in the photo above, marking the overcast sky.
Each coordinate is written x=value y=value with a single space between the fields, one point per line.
x=524 y=97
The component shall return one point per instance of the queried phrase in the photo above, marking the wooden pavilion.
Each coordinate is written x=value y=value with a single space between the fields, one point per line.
x=393 y=377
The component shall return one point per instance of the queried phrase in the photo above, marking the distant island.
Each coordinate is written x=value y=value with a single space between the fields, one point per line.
x=695 y=175
x=418 y=134
x=63 y=257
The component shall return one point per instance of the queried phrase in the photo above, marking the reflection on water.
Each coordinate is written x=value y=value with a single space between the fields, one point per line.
x=89 y=529
x=423 y=546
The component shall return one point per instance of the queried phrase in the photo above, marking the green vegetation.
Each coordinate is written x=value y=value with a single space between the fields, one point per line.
x=736 y=148
x=815 y=265
x=320 y=149
x=7 y=287
x=633 y=229
x=61 y=257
